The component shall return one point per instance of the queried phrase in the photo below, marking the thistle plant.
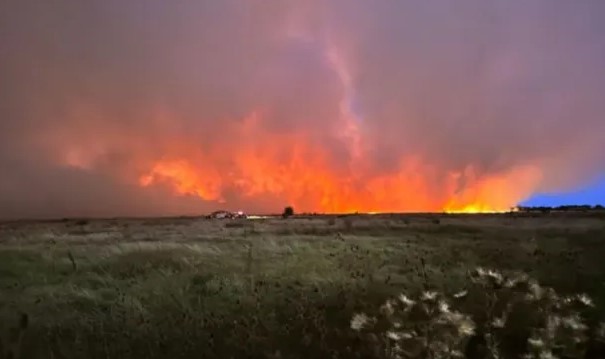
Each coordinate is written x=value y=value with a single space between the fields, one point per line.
x=424 y=327
x=519 y=317
x=495 y=316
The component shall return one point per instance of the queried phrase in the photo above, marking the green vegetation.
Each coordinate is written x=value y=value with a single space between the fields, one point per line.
x=270 y=288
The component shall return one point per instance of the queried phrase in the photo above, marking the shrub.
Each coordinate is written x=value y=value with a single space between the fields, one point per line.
x=288 y=211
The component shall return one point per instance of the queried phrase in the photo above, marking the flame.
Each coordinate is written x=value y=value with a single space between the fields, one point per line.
x=496 y=193
x=252 y=161
x=477 y=208
x=314 y=187
x=185 y=178
x=289 y=167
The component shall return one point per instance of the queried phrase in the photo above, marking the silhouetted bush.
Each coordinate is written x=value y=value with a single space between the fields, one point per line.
x=288 y=211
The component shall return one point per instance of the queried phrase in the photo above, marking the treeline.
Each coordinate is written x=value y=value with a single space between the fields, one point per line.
x=571 y=208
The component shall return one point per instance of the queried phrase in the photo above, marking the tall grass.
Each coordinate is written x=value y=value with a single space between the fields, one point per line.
x=305 y=289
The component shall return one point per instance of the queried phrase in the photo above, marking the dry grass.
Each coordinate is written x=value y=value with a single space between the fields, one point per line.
x=275 y=288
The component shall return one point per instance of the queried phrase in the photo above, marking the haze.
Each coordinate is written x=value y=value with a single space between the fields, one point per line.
x=113 y=108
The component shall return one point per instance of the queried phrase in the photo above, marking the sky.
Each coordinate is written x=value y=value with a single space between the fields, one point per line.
x=588 y=194
x=150 y=107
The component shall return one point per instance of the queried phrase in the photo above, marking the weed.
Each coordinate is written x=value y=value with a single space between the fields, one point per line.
x=499 y=316
x=204 y=289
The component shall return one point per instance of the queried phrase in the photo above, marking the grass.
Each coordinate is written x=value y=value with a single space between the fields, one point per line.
x=271 y=288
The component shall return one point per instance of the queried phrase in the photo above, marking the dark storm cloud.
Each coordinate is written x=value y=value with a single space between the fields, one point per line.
x=113 y=85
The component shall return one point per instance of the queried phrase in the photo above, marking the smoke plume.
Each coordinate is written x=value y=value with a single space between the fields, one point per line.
x=149 y=107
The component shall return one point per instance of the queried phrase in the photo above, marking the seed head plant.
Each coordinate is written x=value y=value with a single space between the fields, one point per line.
x=495 y=316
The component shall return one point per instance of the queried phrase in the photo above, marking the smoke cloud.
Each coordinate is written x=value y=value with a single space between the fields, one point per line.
x=114 y=108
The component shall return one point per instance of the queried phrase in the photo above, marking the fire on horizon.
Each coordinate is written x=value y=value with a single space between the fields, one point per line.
x=152 y=108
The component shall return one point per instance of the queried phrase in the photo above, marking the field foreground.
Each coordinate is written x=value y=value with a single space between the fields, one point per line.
x=273 y=288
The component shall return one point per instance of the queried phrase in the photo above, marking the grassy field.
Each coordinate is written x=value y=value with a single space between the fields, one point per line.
x=266 y=288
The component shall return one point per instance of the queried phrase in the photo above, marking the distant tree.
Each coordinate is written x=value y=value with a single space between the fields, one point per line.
x=288 y=211
x=598 y=207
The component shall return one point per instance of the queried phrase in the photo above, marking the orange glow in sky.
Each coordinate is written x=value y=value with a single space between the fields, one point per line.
x=289 y=167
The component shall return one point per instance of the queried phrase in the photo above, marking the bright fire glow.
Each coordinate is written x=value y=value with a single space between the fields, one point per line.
x=185 y=178
x=288 y=167
x=328 y=168
x=314 y=187
x=478 y=208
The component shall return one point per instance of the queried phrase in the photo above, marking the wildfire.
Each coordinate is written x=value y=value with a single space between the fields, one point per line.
x=288 y=167
x=315 y=188
x=478 y=208
x=185 y=179
x=325 y=167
